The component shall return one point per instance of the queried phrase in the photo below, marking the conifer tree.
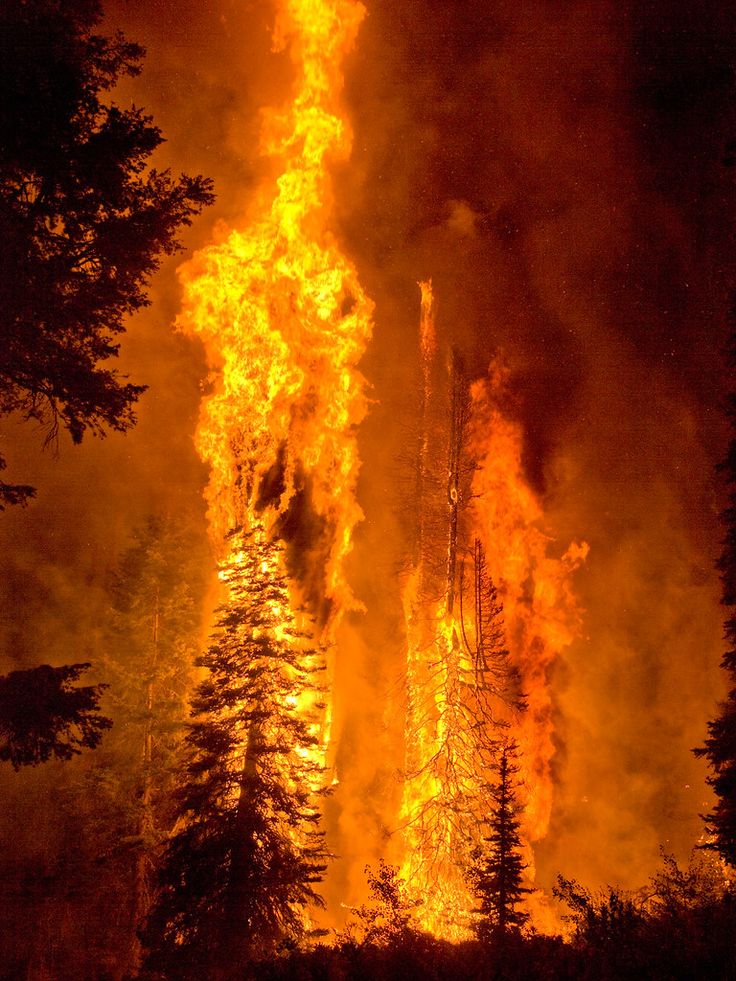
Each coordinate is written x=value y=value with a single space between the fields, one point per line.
x=242 y=867
x=150 y=648
x=43 y=714
x=92 y=852
x=497 y=874
x=84 y=220
x=720 y=746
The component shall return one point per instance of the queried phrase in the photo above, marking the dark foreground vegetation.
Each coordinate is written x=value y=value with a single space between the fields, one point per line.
x=517 y=959
x=189 y=846
x=682 y=927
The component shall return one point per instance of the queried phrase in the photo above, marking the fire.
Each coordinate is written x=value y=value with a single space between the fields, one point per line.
x=284 y=323
x=284 y=320
x=476 y=670
x=540 y=608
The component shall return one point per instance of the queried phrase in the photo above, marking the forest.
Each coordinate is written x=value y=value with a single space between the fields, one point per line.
x=369 y=512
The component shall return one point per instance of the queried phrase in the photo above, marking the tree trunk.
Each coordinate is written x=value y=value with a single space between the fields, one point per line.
x=458 y=413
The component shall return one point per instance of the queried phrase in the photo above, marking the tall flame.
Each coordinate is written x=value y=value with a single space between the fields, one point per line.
x=541 y=614
x=477 y=516
x=284 y=320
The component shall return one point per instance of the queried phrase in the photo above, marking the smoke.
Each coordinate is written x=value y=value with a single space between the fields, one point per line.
x=555 y=168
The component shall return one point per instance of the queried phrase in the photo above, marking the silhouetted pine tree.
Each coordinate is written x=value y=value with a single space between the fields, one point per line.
x=43 y=714
x=497 y=875
x=84 y=223
x=720 y=746
x=241 y=868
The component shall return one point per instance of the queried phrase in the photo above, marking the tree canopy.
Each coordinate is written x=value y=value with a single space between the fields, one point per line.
x=43 y=714
x=720 y=746
x=84 y=219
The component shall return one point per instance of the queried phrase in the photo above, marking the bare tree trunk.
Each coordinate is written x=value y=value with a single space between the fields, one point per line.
x=146 y=823
x=458 y=421
x=427 y=344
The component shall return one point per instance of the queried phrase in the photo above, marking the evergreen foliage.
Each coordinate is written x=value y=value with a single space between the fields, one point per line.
x=43 y=714
x=720 y=745
x=81 y=875
x=242 y=866
x=497 y=874
x=84 y=221
x=150 y=647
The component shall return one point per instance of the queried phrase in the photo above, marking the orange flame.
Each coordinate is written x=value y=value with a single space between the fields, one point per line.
x=284 y=323
x=541 y=614
x=284 y=320
x=451 y=728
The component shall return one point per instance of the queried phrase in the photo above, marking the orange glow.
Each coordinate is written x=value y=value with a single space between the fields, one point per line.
x=452 y=721
x=284 y=320
x=540 y=610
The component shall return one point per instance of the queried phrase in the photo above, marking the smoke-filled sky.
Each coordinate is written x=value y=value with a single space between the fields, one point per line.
x=556 y=167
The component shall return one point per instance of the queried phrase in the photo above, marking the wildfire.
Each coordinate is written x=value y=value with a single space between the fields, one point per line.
x=540 y=609
x=477 y=656
x=284 y=321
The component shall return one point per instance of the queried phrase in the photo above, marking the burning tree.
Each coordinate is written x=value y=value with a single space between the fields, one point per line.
x=497 y=874
x=459 y=673
x=493 y=674
x=240 y=871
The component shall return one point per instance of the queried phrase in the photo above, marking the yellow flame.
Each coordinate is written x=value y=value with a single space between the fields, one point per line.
x=283 y=318
x=284 y=323
x=445 y=774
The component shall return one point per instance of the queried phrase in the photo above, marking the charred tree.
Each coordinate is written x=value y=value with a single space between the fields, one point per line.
x=242 y=867
x=720 y=746
x=492 y=675
x=460 y=681
x=419 y=465
x=459 y=470
x=497 y=874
